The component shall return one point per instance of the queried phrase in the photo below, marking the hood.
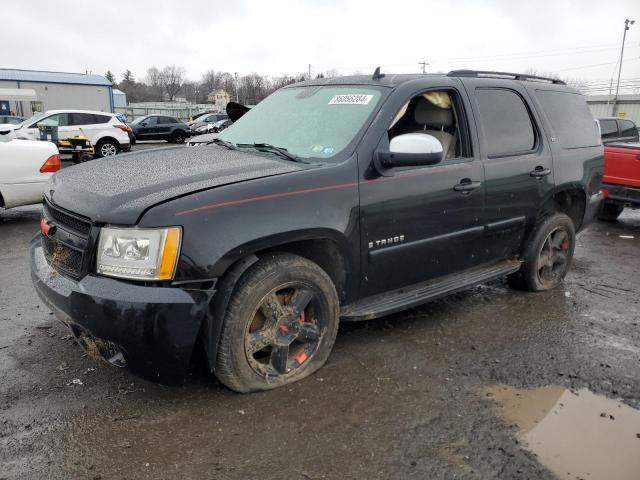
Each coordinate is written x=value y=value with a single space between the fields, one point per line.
x=119 y=189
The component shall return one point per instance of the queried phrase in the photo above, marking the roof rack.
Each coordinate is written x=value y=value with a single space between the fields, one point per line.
x=515 y=76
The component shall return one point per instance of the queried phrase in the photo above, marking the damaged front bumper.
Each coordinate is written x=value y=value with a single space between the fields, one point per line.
x=149 y=330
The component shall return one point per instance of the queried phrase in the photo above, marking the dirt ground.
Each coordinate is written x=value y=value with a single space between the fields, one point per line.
x=404 y=396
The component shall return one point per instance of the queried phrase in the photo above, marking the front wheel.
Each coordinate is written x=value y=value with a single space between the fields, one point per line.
x=279 y=326
x=548 y=254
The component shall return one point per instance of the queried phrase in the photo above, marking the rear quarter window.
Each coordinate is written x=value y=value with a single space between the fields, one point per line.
x=570 y=117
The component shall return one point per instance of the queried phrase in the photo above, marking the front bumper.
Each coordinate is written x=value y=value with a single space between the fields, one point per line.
x=592 y=208
x=149 y=330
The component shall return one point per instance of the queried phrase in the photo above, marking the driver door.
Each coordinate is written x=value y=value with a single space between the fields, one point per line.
x=422 y=223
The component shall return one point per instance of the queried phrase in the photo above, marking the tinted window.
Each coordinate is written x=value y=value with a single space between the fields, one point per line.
x=101 y=119
x=627 y=128
x=570 y=117
x=608 y=128
x=81 y=119
x=151 y=121
x=168 y=120
x=506 y=122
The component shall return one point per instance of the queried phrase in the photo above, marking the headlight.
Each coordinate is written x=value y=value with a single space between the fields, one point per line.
x=139 y=253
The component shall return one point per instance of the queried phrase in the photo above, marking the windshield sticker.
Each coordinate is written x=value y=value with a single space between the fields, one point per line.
x=352 y=99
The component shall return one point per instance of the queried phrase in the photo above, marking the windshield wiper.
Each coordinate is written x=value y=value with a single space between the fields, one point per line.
x=267 y=147
x=224 y=143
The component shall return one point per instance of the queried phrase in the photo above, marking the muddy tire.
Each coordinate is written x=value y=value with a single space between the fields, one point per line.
x=610 y=212
x=547 y=257
x=279 y=326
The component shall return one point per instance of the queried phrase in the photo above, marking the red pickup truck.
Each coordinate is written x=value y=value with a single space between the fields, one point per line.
x=621 y=182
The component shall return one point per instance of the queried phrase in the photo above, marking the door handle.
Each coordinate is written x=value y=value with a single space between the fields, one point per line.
x=539 y=172
x=466 y=185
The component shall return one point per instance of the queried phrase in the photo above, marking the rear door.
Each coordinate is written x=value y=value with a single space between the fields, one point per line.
x=517 y=161
x=164 y=127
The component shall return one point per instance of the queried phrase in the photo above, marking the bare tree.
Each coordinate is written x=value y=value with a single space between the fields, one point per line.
x=172 y=78
x=153 y=81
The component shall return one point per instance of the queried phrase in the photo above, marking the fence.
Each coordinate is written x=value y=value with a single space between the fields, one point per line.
x=181 y=111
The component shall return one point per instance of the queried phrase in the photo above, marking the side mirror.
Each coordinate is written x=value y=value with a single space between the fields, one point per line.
x=411 y=150
x=143 y=124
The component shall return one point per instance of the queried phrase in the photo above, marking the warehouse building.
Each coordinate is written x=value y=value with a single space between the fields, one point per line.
x=627 y=106
x=26 y=92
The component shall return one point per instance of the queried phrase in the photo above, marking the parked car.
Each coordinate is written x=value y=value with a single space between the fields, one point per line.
x=621 y=183
x=160 y=127
x=618 y=130
x=215 y=127
x=204 y=120
x=10 y=119
x=416 y=186
x=25 y=168
x=107 y=134
x=234 y=110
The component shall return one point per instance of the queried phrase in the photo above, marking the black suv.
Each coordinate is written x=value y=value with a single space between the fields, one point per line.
x=160 y=127
x=368 y=196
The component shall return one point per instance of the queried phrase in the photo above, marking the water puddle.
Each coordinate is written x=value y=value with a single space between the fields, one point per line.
x=576 y=435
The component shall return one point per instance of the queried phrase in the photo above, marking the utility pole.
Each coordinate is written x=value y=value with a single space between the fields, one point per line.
x=627 y=22
x=235 y=75
x=424 y=64
x=309 y=77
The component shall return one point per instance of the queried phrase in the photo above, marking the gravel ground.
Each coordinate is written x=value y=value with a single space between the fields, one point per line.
x=401 y=397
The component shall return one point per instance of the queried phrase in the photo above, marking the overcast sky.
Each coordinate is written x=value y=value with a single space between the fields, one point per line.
x=579 y=39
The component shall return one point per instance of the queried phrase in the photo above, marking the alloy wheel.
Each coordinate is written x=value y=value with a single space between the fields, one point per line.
x=285 y=330
x=553 y=257
x=108 y=150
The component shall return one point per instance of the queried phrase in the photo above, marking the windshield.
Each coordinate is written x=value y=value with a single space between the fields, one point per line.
x=307 y=121
x=33 y=119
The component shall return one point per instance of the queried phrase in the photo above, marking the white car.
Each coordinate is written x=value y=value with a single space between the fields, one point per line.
x=104 y=130
x=25 y=168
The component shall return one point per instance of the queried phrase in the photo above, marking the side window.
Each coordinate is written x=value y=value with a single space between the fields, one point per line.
x=101 y=119
x=81 y=119
x=151 y=121
x=609 y=129
x=572 y=121
x=437 y=113
x=505 y=121
x=627 y=128
x=168 y=120
x=57 y=120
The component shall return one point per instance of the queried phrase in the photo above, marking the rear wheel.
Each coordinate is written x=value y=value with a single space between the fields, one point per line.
x=610 y=212
x=548 y=255
x=178 y=137
x=107 y=148
x=280 y=324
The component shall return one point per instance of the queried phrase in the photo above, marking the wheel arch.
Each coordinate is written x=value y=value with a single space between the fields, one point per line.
x=325 y=247
x=569 y=199
x=107 y=137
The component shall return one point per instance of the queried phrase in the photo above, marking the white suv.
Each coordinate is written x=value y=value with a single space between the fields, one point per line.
x=106 y=133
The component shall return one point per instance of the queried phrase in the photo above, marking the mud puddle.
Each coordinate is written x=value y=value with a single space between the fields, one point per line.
x=576 y=435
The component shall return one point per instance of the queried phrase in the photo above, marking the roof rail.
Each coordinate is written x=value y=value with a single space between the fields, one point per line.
x=515 y=76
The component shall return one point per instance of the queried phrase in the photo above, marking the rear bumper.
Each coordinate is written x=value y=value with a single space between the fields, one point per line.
x=622 y=195
x=125 y=147
x=592 y=208
x=149 y=330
